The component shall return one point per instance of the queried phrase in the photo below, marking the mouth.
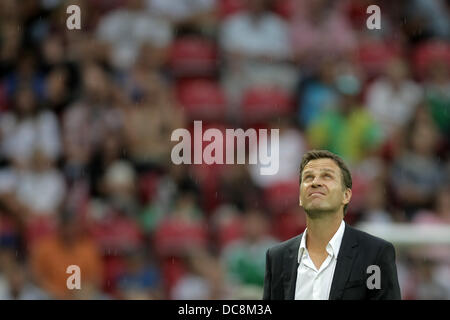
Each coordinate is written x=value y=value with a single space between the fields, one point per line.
x=316 y=193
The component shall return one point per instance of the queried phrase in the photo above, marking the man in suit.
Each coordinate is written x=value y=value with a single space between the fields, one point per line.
x=330 y=259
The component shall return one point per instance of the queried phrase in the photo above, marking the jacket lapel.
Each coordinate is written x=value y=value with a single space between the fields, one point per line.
x=291 y=263
x=346 y=257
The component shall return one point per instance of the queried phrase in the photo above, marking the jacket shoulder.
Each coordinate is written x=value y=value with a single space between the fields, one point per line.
x=282 y=247
x=368 y=240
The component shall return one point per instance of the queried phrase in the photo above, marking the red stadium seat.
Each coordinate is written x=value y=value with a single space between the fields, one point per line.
x=282 y=196
x=173 y=237
x=147 y=186
x=284 y=8
x=355 y=12
x=428 y=53
x=117 y=234
x=205 y=126
x=261 y=104
x=39 y=227
x=193 y=57
x=202 y=100
x=3 y=98
x=230 y=7
x=7 y=224
x=373 y=56
x=173 y=269
x=228 y=231
x=289 y=224
x=113 y=267
x=208 y=175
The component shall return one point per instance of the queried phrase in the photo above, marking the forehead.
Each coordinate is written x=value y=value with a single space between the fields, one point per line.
x=321 y=164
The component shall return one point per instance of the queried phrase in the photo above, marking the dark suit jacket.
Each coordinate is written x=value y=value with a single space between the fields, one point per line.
x=358 y=251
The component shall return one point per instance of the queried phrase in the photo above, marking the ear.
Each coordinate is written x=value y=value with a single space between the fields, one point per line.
x=347 y=195
x=300 y=200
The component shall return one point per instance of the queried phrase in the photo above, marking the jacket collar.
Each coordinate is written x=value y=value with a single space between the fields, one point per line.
x=333 y=245
x=345 y=259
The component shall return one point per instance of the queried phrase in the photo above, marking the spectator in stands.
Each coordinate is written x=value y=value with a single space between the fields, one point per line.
x=428 y=286
x=53 y=52
x=393 y=99
x=15 y=282
x=291 y=145
x=416 y=174
x=187 y=15
x=376 y=204
x=203 y=280
x=256 y=46
x=88 y=120
x=183 y=227
x=244 y=259
x=440 y=214
x=125 y=29
x=51 y=257
x=158 y=199
x=348 y=130
x=57 y=93
x=10 y=34
x=110 y=150
x=237 y=187
x=149 y=60
x=318 y=28
x=439 y=253
x=18 y=191
x=431 y=17
x=119 y=188
x=151 y=114
x=317 y=93
x=42 y=176
x=226 y=225
x=109 y=87
x=24 y=73
x=27 y=128
x=112 y=216
x=141 y=279
x=437 y=92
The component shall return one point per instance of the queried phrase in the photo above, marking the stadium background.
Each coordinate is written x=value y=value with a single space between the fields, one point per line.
x=86 y=116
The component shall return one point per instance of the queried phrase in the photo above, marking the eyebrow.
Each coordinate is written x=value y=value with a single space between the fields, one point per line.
x=310 y=171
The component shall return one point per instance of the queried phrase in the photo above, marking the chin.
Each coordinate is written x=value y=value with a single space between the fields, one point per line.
x=317 y=212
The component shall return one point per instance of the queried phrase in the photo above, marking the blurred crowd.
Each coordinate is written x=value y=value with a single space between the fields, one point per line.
x=86 y=117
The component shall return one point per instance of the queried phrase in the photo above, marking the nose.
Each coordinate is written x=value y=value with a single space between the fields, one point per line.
x=316 y=182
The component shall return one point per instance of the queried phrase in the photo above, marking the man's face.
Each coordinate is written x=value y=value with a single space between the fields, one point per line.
x=321 y=189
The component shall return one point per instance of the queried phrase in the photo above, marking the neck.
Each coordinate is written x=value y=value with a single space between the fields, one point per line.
x=321 y=230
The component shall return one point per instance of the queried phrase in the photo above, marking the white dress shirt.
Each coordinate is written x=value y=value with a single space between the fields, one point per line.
x=313 y=283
